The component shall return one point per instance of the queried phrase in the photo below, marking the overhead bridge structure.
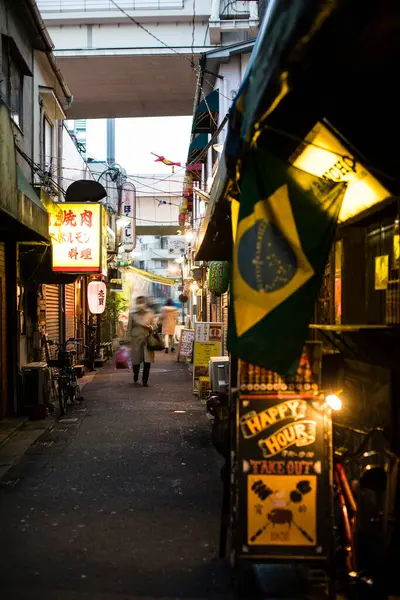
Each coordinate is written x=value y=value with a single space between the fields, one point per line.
x=137 y=58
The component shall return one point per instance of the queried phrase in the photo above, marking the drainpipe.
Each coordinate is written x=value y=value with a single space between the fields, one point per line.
x=60 y=148
x=49 y=51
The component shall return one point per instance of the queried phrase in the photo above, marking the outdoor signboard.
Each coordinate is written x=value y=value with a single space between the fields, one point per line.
x=185 y=349
x=207 y=343
x=176 y=246
x=128 y=209
x=83 y=245
x=283 y=510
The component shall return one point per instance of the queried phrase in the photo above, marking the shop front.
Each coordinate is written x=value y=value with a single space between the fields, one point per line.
x=23 y=220
x=287 y=107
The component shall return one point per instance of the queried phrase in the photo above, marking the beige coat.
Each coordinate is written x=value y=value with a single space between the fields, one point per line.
x=169 y=319
x=138 y=335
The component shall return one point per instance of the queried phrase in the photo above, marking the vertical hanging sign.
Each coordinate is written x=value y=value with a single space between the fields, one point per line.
x=128 y=209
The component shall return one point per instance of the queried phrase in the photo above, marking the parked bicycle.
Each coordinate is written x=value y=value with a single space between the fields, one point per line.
x=62 y=361
x=365 y=485
x=92 y=350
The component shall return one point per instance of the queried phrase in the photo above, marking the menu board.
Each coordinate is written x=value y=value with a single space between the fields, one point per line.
x=207 y=343
x=186 y=340
x=282 y=464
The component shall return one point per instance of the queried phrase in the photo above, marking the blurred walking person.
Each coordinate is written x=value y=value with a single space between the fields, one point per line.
x=141 y=323
x=169 y=319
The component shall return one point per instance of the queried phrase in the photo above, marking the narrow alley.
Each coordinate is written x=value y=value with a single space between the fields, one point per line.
x=122 y=503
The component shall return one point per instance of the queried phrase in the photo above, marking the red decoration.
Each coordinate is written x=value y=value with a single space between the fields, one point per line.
x=165 y=161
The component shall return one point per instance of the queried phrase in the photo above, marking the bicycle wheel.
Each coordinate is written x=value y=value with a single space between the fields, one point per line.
x=62 y=395
x=73 y=386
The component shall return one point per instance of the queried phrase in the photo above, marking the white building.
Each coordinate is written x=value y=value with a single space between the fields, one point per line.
x=158 y=239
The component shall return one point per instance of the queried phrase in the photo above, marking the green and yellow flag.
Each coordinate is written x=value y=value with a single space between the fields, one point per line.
x=285 y=229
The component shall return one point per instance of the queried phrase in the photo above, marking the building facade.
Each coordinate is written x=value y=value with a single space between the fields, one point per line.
x=38 y=161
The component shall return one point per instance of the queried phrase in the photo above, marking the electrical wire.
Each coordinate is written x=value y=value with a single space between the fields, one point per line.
x=193 y=32
x=45 y=177
x=183 y=56
x=40 y=262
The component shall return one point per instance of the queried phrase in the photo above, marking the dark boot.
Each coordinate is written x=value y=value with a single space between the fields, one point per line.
x=146 y=373
x=136 y=369
x=166 y=350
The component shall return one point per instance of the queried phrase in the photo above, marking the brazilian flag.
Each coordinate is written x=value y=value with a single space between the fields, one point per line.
x=285 y=229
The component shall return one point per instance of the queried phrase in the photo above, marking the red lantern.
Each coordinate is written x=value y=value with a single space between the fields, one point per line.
x=97 y=292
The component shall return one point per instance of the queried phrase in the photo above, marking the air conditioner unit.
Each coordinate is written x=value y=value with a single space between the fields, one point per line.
x=219 y=373
x=35 y=384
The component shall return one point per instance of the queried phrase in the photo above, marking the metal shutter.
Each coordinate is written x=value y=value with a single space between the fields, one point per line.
x=52 y=312
x=3 y=321
x=69 y=311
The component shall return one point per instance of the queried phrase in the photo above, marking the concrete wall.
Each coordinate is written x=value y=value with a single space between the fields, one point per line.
x=149 y=212
x=103 y=11
x=114 y=37
x=74 y=166
x=12 y=25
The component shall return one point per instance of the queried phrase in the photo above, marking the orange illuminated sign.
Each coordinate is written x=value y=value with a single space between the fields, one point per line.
x=81 y=248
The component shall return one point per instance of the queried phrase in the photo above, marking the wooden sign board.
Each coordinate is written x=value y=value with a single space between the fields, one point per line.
x=283 y=467
x=185 y=348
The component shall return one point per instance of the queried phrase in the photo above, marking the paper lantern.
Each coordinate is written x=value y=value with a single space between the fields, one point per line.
x=218 y=277
x=97 y=292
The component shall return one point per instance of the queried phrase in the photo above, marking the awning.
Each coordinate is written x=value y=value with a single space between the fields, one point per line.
x=36 y=265
x=198 y=144
x=214 y=240
x=287 y=88
x=206 y=117
x=51 y=103
x=151 y=276
x=54 y=211
x=31 y=211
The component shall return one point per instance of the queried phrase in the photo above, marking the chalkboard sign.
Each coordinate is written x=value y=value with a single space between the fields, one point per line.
x=186 y=341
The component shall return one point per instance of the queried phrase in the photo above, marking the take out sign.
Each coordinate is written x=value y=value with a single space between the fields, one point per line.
x=83 y=239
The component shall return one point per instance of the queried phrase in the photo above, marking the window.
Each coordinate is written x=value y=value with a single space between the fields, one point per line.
x=164 y=243
x=47 y=145
x=141 y=264
x=13 y=80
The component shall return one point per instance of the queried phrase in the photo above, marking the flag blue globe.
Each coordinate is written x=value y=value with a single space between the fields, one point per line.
x=266 y=261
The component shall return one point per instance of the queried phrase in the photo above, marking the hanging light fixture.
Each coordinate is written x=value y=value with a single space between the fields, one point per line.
x=97 y=293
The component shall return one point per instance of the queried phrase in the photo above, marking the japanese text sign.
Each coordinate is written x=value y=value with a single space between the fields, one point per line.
x=128 y=209
x=81 y=247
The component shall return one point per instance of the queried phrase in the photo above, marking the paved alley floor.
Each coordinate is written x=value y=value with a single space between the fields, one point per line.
x=120 y=502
